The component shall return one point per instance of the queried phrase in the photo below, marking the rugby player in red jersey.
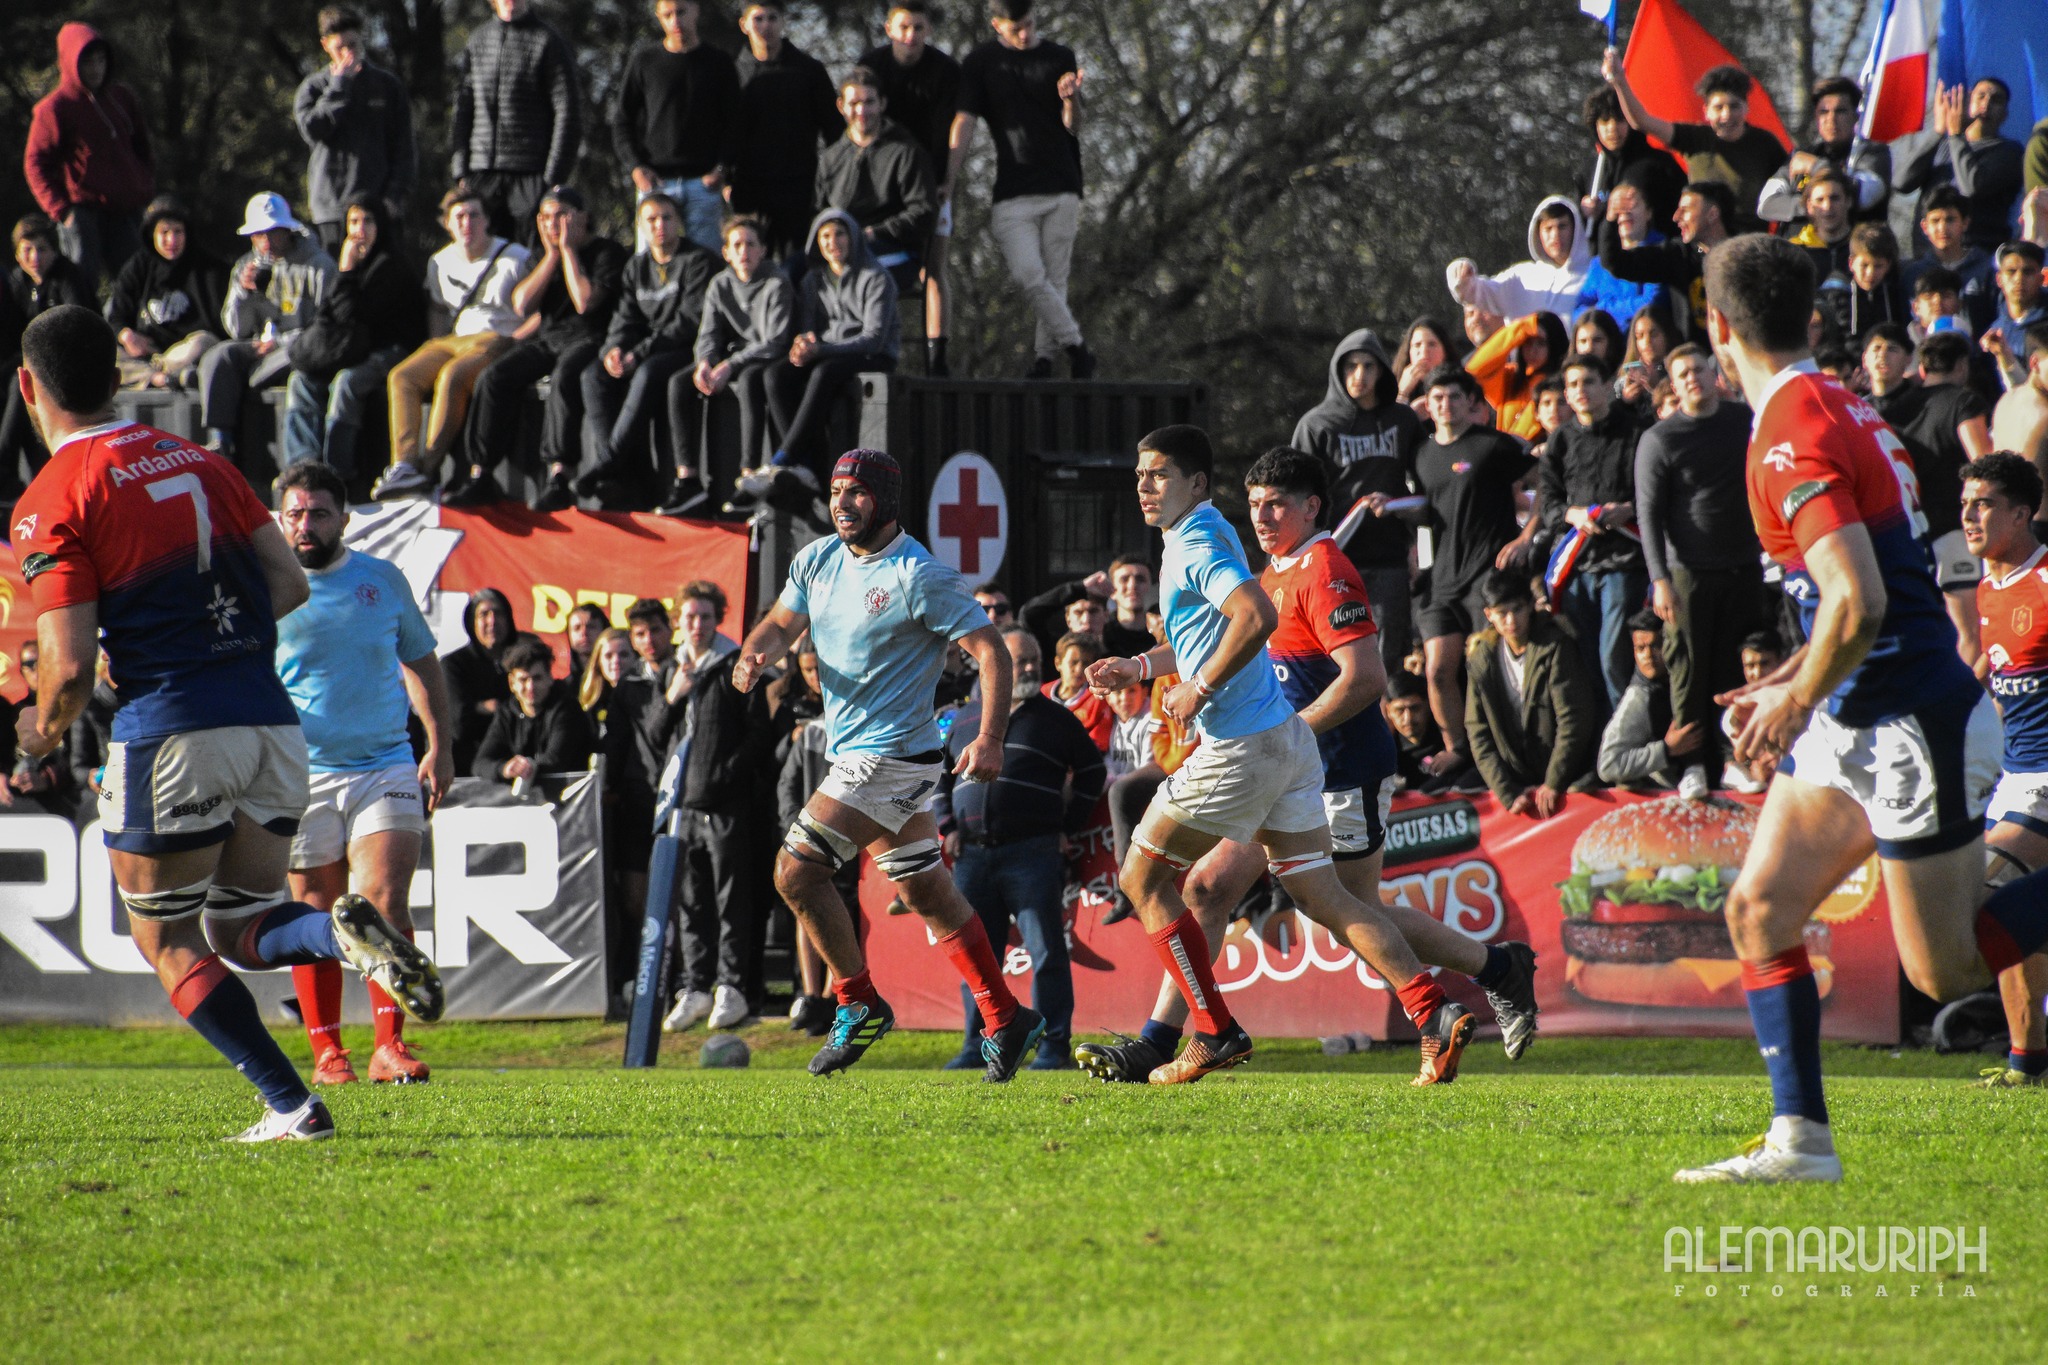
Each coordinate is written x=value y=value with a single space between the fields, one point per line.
x=141 y=535
x=2001 y=496
x=1886 y=742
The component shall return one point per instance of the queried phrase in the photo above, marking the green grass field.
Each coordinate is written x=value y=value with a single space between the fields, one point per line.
x=536 y=1203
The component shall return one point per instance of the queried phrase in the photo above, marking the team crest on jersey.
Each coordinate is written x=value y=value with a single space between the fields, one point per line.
x=26 y=527
x=1779 y=456
x=876 y=601
x=2022 y=620
x=367 y=594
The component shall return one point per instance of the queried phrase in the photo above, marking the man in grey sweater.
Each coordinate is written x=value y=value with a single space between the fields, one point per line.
x=1706 y=571
x=273 y=293
x=357 y=120
x=1644 y=747
x=517 y=125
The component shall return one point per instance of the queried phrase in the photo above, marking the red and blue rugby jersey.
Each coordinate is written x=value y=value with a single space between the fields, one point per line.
x=1820 y=458
x=2012 y=622
x=159 y=534
x=1322 y=605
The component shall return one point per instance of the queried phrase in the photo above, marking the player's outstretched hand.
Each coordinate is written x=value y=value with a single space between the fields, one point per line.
x=1109 y=675
x=981 y=760
x=747 y=672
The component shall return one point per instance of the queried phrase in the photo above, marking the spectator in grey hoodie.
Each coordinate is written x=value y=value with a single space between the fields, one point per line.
x=357 y=120
x=517 y=125
x=1644 y=745
x=745 y=330
x=273 y=293
x=1368 y=439
x=846 y=323
x=649 y=342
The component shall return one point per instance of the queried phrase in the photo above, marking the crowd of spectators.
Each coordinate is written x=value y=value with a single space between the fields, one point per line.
x=781 y=217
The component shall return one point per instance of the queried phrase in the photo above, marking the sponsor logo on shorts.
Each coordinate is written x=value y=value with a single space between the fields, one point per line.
x=876 y=601
x=1802 y=495
x=399 y=796
x=1431 y=832
x=185 y=808
x=1349 y=614
x=1893 y=802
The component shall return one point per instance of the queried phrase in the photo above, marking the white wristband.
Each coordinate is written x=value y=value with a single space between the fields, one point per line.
x=1145 y=667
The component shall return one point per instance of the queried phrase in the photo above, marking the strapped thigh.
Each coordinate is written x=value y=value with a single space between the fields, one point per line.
x=901 y=864
x=811 y=840
x=232 y=902
x=2002 y=866
x=1160 y=855
x=1294 y=863
x=167 y=907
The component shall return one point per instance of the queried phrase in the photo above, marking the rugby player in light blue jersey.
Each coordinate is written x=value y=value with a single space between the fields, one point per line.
x=351 y=658
x=1256 y=777
x=881 y=614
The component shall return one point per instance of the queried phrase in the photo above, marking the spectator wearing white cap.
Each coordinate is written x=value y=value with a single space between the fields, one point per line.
x=273 y=292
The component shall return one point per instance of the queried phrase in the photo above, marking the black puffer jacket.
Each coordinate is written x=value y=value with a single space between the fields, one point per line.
x=516 y=103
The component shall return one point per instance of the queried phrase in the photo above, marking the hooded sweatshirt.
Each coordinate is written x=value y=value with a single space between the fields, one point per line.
x=359 y=130
x=298 y=281
x=853 y=314
x=1368 y=450
x=1535 y=285
x=167 y=301
x=87 y=147
x=374 y=306
x=748 y=322
x=474 y=677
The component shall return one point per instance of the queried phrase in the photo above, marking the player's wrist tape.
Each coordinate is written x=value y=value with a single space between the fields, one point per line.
x=1144 y=668
x=1203 y=687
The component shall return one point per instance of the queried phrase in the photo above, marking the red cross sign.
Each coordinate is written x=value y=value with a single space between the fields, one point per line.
x=969 y=516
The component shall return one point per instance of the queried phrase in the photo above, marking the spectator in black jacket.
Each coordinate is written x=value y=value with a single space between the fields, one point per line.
x=541 y=729
x=787 y=112
x=1622 y=155
x=42 y=279
x=165 y=304
x=732 y=739
x=921 y=87
x=573 y=288
x=476 y=677
x=1699 y=541
x=1985 y=168
x=1368 y=439
x=1005 y=838
x=517 y=126
x=878 y=173
x=632 y=726
x=1587 y=482
x=675 y=122
x=357 y=120
x=651 y=338
x=749 y=313
x=371 y=319
x=1705 y=211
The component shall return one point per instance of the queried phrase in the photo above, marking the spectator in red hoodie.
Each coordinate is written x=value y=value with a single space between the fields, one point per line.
x=88 y=160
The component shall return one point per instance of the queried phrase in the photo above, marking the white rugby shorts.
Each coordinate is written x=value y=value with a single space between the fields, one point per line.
x=172 y=793
x=1233 y=788
x=1923 y=779
x=2020 y=799
x=1358 y=819
x=344 y=807
x=889 y=791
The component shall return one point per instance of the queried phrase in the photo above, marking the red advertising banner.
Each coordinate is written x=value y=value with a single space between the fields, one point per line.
x=1624 y=945
x=548 y=562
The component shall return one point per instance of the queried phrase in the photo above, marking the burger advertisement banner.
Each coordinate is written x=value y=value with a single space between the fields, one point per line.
x=1621 y=896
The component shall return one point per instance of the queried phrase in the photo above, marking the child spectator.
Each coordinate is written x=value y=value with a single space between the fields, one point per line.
x=572 y=289
x=1643 y=744
x=1874 y=271
x=87 y=158
x=1762 y=655
x=517 y=126
x=786 y=113
x=749 y=314
x=1551 y=279
x=1416 y=738
x=541 y=730
x=1071 y=657
x=1596 y=333
x=648 y=343
x=1945 y=224
x=1937 y=304
x=469 y=301
x=675 y=120
x=166 y=302
x=2019 y=289
x=356 y=120
x=41 y=279
x=1622 y=158
x=371 y=319
x=1130 y=743
x=274 y=292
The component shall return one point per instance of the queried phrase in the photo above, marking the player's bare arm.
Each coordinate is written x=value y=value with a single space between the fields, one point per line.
x=289 y=589
x=426 y=687
x=982 y=759
x=767 y=643
x=1852 y=601
x=68 y=643
x=1107 y=675
x=1360 y=682
x=1251 y=618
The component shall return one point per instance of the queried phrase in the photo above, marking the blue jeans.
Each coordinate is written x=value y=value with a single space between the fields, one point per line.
x=323 y=418
x=703 y=210
x=1598 y=605
x=1024 y=880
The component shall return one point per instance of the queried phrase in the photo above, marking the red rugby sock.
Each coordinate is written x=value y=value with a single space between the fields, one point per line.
x=388 y=1018
x=319 y=987
x=1420 y=998
x=1184 y=948
x=971 y=955
x=856 y=989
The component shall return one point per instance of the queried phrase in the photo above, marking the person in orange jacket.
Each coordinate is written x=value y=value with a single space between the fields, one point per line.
x=1512 y=362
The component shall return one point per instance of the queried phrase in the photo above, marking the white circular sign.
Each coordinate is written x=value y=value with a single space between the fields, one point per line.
x=968 y=518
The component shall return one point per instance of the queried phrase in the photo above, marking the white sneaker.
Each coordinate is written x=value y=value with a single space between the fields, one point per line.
x=310 y=1122
x=1794 y=1149
x=690 y=1010
x=1693 y=786
x=796 y=1007
x=729 y=1008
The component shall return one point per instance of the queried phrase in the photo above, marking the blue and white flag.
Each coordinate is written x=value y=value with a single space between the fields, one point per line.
x=1603 y=10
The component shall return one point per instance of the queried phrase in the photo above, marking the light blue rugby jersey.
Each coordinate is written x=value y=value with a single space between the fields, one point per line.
x=338 y=656
x=881 y=624
x=1203 y=564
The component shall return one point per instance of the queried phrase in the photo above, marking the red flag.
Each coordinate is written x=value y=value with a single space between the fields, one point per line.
x=1668 y=51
